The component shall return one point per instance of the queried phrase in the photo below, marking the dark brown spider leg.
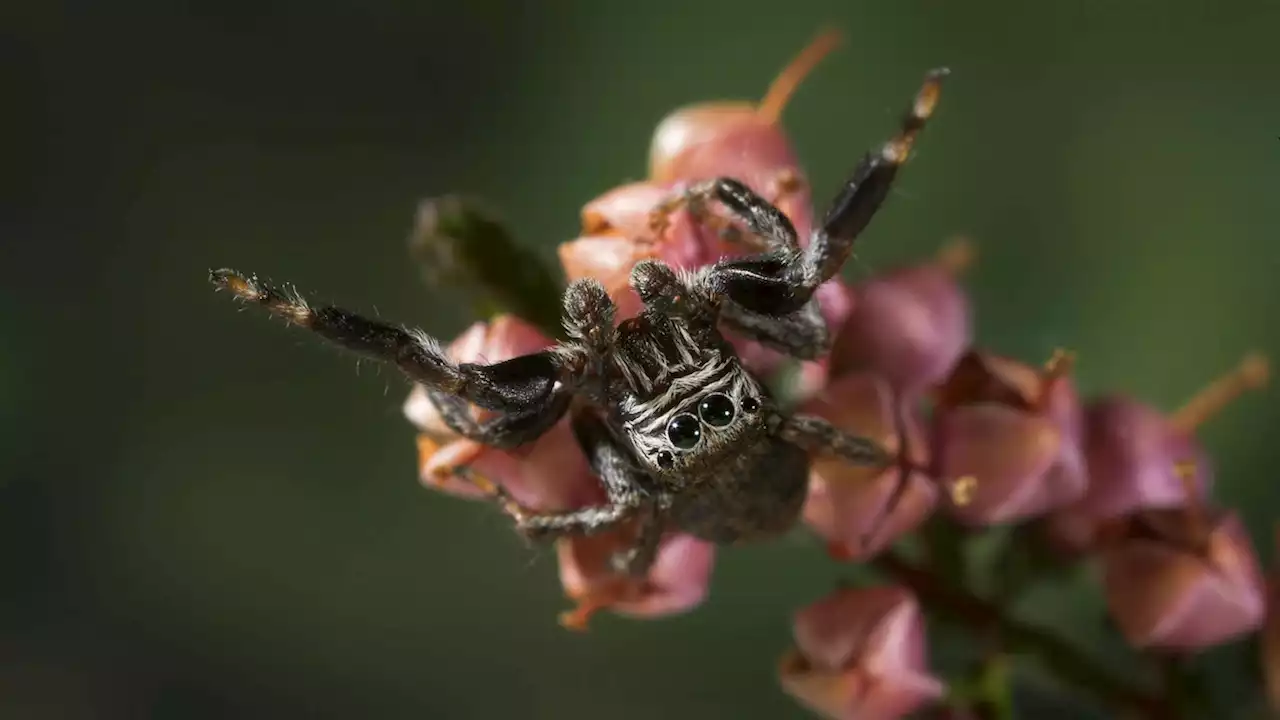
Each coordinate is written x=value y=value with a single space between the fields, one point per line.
x=550 y=525
x=762 y=218
x=625 y=484
x=506 y=430
x=585 y=521
x=781 y=282
x=802 y=334
x=588 y=319
x=531 y=391
x=819 y=437
x=866 y=190
x=765 y=235
x=636 y=561
x=667 y=292
x=625 y=487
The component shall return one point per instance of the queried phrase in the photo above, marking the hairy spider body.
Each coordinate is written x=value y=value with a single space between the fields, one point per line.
x=681 y=435
x=673 y=375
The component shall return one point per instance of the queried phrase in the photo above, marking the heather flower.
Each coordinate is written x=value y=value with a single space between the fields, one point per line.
x=1139 y=459
x=1182 y=579
x=678 y=581
x=550 y=473
x=1009 y=435
x=742 y=140
x=860 y=654
x=619 y=228
x=909 y=325
x=861 y=510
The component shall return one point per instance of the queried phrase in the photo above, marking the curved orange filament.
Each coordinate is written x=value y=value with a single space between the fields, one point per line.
x=785 y=84
x=1252 y=373
x=956 y=255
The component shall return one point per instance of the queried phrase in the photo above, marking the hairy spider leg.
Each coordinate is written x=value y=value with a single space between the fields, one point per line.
x=819 y=437
x=530 y=393
x=782 y=281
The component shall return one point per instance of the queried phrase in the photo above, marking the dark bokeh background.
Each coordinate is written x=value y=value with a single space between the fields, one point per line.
x=203 y=516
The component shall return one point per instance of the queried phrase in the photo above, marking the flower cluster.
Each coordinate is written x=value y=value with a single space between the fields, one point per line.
x=981 y=439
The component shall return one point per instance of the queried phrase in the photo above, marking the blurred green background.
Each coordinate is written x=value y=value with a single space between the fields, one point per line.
x=205 y=516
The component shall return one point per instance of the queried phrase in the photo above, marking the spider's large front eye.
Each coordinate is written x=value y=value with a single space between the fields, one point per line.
x=684 y=431
x=716 y=410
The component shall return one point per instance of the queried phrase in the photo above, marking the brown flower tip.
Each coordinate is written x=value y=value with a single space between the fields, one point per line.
x=860 y=511
x=1180 y=585
x=860 y=654
x=1007 y=438
x=1139 y=459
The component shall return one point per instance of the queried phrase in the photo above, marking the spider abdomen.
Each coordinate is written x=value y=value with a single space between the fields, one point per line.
x=752 y=494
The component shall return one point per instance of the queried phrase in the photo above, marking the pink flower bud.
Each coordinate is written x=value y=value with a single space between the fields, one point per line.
x=617 y=235
x=910 y=325
x=677 y=582
x=1008 y=438
x=1140 y=459
x=860 y=654
x=860 y=511
x=740 y=139
x=1182 y=579
x=550 y=473
x=694 y=144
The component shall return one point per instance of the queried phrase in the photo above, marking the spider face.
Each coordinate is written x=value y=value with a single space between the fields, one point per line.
x=697 y=419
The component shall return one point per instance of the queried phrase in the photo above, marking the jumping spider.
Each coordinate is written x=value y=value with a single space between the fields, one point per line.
x=681 y=435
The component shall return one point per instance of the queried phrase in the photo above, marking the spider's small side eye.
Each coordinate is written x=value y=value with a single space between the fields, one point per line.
x=750 y=405
x=665 y=459
x=684 y=431
x=717 y=410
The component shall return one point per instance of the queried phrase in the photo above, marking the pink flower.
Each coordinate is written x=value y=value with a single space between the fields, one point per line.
x=677 y=583
x=550 y=473
x=860 y=655
x=617 y=235
x=697 y=143
x=743 y=140
x=1007 y=438
x=909 y=325
x=857 y=510
x=1182 y=579
x=1140 y=459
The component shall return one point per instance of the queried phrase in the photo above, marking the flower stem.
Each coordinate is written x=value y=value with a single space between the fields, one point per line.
x=459 y=243
x=1064 y=659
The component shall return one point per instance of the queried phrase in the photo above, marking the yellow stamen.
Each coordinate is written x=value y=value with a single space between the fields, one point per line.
x=963 y=490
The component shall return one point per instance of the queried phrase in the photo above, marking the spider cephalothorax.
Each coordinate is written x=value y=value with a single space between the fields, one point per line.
x=680 y=433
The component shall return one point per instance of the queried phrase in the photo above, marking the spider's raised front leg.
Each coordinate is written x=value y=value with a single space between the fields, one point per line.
x=801 y=333
x=782 y=281
x=528 y=393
